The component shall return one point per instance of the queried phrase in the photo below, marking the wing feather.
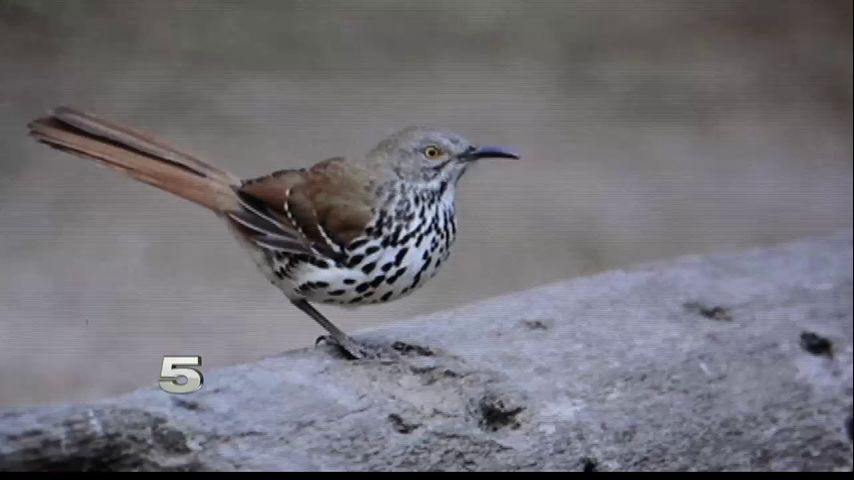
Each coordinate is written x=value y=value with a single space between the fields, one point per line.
x=326 y=207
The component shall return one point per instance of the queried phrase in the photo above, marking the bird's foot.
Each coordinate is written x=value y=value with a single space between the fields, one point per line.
x=412 y=350
x=351 y=349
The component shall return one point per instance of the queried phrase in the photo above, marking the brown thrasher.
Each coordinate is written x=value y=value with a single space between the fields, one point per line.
x=347 y=231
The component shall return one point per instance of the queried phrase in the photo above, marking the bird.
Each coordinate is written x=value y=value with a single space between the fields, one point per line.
x=348 y=230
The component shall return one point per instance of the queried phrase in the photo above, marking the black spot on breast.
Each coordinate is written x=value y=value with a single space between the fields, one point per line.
x=372 y=250
x=443 y=187
x=386 y=296
x=355 y=260
x=336 y=293
x=416 y=279
x=387 y=266
x=377 y=281
x=378 y=231
x=362 y=287
x=424 y=266
x=398 y=259
x=349 y=281
x=397 y=274
x=320 y=285
x=369 y=268
x=320 y=263
x=407 y=237
x=357 y=243
x=368 y=294
x=426 y=256
x=355 y=300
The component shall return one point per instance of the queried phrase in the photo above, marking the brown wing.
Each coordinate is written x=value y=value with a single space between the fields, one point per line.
x=328 y=206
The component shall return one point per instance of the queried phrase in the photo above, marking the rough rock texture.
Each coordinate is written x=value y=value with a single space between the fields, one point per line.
x=729 y=362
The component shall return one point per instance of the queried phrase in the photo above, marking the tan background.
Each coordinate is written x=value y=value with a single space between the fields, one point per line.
x=649 y=129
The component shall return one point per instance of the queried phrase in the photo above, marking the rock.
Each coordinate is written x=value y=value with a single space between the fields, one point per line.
x=693 y=364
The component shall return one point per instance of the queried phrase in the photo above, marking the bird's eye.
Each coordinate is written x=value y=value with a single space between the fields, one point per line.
x=433 y=152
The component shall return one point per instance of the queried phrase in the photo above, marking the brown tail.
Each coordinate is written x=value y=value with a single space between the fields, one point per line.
x=138 y=155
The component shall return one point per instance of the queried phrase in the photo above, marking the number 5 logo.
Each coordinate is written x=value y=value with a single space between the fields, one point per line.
x=175 y=368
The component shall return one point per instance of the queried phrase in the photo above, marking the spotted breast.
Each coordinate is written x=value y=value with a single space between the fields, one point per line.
x=402 y=247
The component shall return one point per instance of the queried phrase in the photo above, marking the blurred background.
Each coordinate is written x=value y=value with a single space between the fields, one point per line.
x=649 y=129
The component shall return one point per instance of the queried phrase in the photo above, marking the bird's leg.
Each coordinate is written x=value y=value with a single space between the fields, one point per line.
x=345 y=343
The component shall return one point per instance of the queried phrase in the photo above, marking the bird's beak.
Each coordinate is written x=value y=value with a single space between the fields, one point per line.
x=489 y=151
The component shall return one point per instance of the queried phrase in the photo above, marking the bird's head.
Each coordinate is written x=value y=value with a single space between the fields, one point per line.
x=425 y=155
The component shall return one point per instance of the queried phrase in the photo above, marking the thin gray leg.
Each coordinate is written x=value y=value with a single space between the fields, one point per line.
x=344 y=342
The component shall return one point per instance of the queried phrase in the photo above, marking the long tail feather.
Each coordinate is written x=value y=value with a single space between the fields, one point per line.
x=139 y=155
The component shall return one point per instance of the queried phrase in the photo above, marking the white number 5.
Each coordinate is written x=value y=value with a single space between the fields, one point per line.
x=170 y=373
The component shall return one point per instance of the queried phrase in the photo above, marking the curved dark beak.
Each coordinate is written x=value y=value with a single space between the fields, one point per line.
x=489 y=151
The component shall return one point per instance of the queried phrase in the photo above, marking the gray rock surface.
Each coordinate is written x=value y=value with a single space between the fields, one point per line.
x=729 y=362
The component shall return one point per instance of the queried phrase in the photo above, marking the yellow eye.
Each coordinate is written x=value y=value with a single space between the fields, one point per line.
x=433 y=152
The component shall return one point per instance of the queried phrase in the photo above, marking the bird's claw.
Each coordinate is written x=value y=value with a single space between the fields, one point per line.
x=349 y=348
